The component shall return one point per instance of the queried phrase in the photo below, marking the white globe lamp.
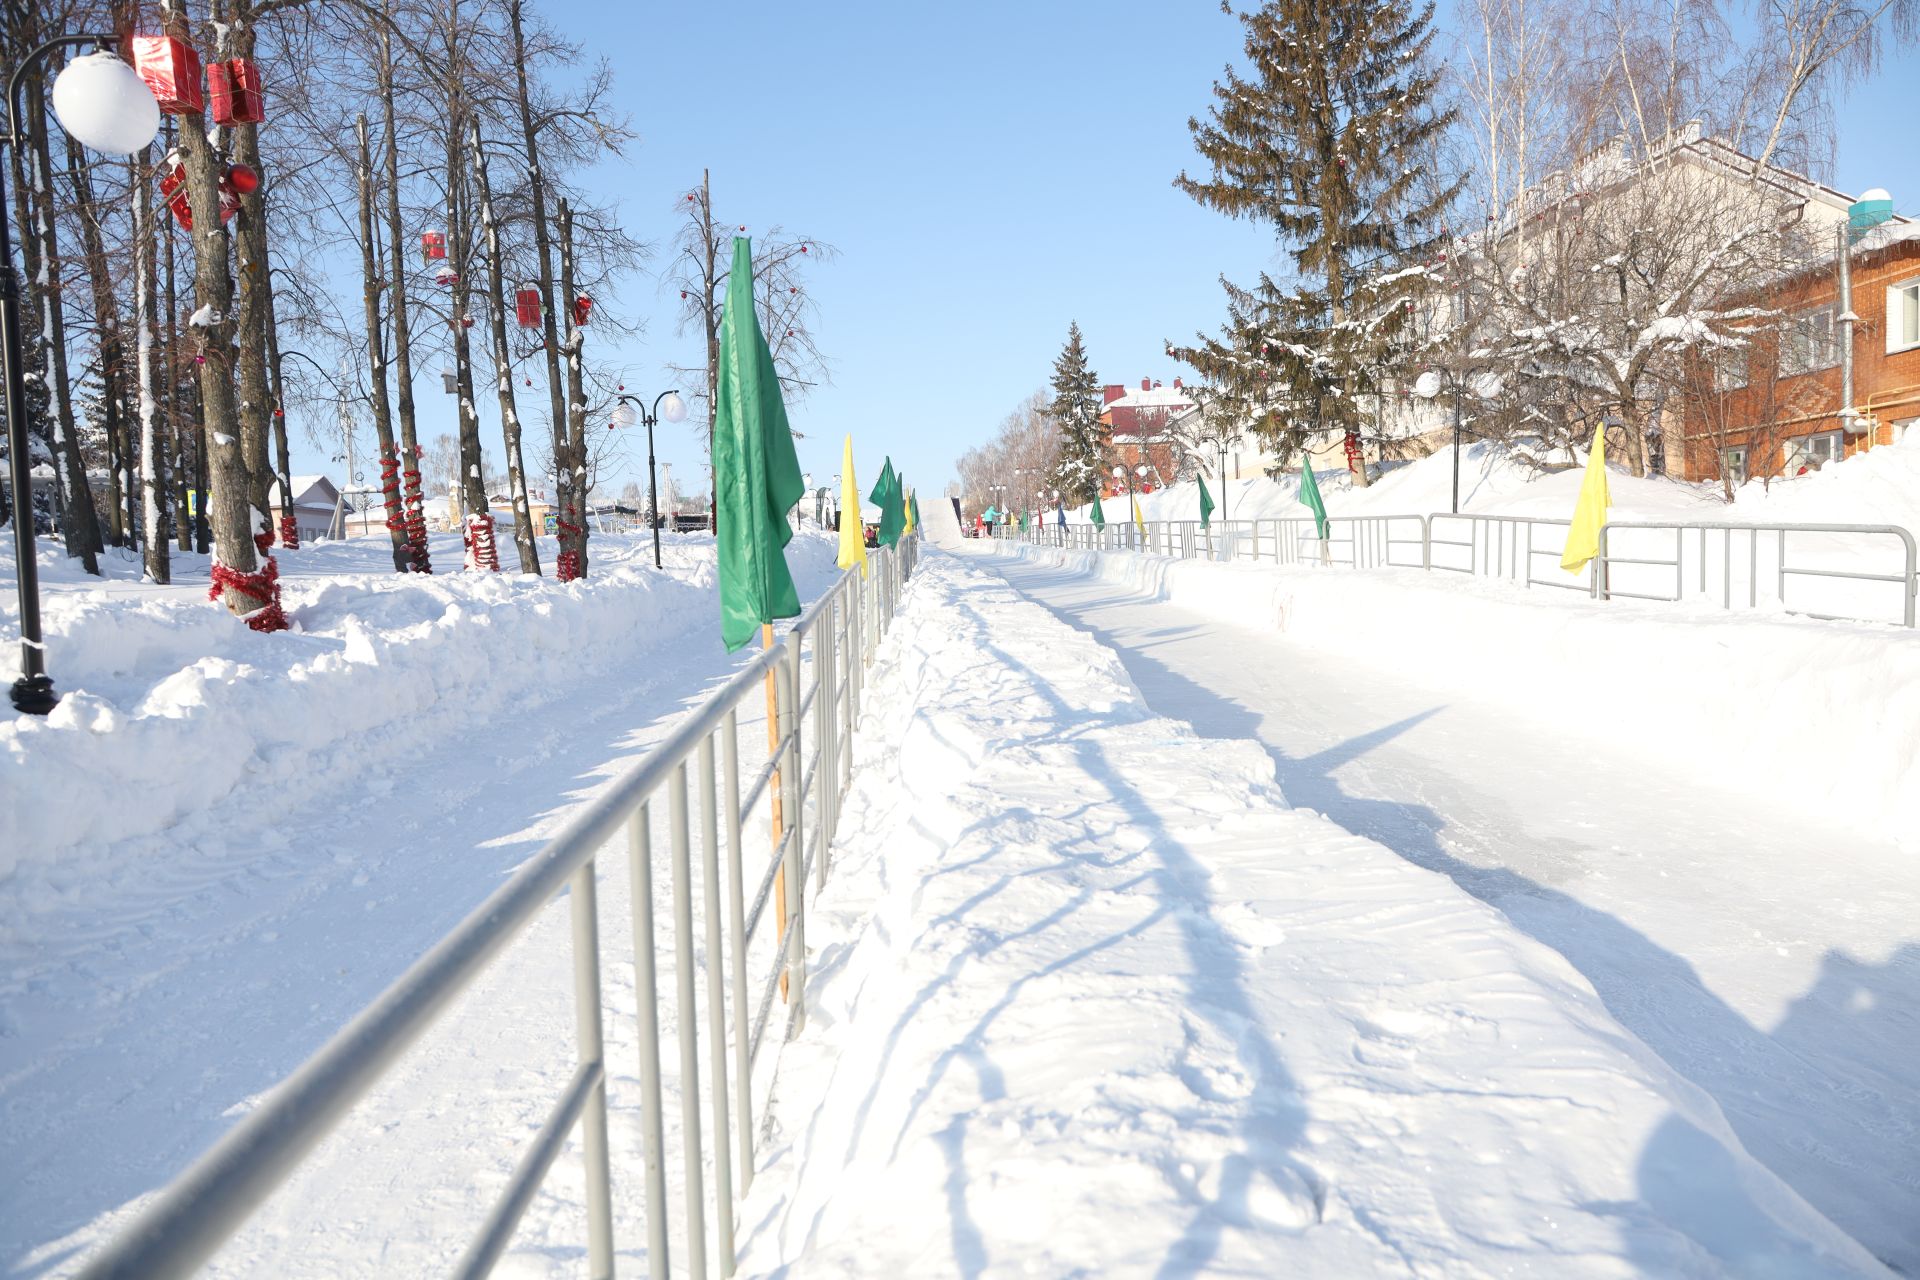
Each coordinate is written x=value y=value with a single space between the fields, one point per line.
x=1487 y=386
x=105 y=105
x=622 y=415
x=673 y=408
x=1427 y=385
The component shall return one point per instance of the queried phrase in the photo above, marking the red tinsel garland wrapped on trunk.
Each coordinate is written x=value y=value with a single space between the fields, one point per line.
x=263 y=587
x=482 y=553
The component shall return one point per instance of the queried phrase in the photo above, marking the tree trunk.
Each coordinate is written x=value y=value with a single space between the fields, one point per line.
x=563 y=497
x=290 y=528
x=397 y=304
x=253 y=309
x=503 y=367
x=579 y=482
x=82 y=525
x=711 y=315
x=473 y=485
x=153 y=492
x=230 y=499
x=106 y=315
x=382 y=421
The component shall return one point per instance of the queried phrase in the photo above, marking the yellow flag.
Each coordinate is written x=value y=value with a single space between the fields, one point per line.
x=1138 y=523
x=853 y=541
x=1590 y=513
x=909 y=506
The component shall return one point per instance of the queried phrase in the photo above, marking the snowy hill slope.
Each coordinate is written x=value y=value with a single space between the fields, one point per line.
x=1092 y=999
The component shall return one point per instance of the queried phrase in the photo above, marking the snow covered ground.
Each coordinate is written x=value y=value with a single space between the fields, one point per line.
x=224 y=844
x=1090 y=997
x=1699 y=811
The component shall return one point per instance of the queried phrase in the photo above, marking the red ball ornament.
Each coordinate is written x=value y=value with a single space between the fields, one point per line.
x=803 y=248
x=743 y=226
x=244 y=178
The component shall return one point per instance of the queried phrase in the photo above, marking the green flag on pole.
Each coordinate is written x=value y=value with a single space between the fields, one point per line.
x=1023 y=519
x=1206 y=503
x=756 y=473
x=887 y=496
x=1310 y=498
x=1096 y=515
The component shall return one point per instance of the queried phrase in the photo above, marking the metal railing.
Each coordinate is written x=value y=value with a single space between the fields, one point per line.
x=816 y=670
x=1636 y=560
x=1509 y=547
x=1764 y=552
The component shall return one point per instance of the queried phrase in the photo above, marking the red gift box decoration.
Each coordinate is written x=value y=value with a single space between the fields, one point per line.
x=433 y=245
x=234 y=86
x=527 y=307
x=582 y=306
x=171 y=69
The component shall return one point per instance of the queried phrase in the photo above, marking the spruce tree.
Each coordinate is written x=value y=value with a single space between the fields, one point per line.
x=1329 y=139
x=1075 y=410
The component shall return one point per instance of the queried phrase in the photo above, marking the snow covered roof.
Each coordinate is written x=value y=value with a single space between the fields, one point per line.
x=1154 y=398
x=303 y=492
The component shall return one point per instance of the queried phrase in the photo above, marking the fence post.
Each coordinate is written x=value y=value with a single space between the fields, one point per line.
x=593 y=1122
x=737 y=929
x=716 y=1009
x=680 y=860
x=647 y=995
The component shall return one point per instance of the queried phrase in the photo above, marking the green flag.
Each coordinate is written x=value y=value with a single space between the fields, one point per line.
x=1023 y=519
x=913 y=507
x=1206 y=503
x=1310 y=497
x=888 y=496
x=1096 y=515
x=756 y=473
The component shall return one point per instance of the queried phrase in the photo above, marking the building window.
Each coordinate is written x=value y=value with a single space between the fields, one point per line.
x=1810 y=453
x=1808 y=343
x=1903 y=316
x=1733 y=465
x=1730 y=369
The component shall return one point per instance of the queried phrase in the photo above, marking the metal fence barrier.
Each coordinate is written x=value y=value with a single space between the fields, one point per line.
x=1636 y=560
x=817 y=670
x=1752 y=546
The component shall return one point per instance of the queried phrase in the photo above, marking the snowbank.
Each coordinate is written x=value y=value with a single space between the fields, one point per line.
x=178 y=727
x=1089 y=998
x=1830 y=711
x=1881 y=486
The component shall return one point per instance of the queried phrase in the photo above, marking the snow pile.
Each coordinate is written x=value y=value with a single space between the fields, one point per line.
x=1833 y=707
x=1089 y=998
x=1879 y=486
x=177 y=725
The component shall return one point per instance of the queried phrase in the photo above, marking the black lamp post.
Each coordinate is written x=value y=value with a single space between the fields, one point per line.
x=105 y=105
x=623 y=416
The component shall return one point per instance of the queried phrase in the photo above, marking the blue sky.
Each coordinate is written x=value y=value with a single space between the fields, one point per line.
x=989 y=171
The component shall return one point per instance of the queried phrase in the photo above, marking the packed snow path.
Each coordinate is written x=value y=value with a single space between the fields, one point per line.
x=1770 y=955
x=1089 y=996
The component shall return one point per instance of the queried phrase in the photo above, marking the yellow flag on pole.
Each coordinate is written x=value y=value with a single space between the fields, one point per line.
x=853 y=541
x=909 y=505
x=1590 y=513
x=1138 y=523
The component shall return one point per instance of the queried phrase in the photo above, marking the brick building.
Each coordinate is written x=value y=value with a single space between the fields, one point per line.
x=1142 y=424
x=1776 y=407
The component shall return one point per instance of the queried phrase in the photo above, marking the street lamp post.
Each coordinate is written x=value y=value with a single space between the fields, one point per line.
x=105 y=105
x=1485 y=384
x=675 y=410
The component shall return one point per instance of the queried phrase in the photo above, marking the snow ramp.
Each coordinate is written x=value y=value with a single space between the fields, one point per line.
x=1089 y=997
